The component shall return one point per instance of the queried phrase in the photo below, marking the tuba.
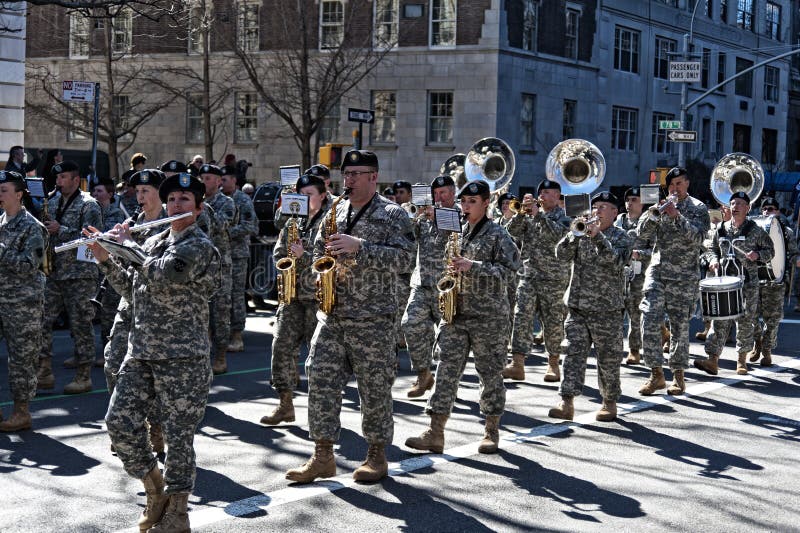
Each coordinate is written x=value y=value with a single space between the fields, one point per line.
x=490 y=160
x=449 y=284
x=736 y=172
x=577 y=165
x=454 y=167
x=287 y=266
x=325 y=267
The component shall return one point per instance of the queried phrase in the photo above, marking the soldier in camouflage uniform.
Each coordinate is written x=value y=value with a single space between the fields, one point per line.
x=296 y=320
x=73 y=282
x=770 y=295
x=422 y=313
x=634 y=272
x=753 y=245
x=671 y=283
x=484 y=263
x=504 y=218
x=22 y=243
x=373 y=243
x=403 y=198
x=246 y=226
x=543 y=282
x=595 y=301
x=167 y=362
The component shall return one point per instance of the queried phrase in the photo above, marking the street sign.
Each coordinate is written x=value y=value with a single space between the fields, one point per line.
x=365 y=116
x=684 y=71
x=679 y=136
x=669 y=124
x=77 y=91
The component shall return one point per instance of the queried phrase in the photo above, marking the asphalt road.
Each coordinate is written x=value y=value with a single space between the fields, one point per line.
x=722 y=458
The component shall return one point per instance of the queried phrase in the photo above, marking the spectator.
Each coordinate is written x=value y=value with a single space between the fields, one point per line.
x=16 y=161
x=138 y=161
x=248 y=189
x=197 y=162
x=53 y=158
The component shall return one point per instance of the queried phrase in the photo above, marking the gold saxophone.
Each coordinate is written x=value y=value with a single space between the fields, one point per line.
x=449 y=284
x=287 y=266
x=325 y=267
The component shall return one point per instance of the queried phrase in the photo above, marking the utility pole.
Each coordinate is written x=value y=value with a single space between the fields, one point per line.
x=687 y=39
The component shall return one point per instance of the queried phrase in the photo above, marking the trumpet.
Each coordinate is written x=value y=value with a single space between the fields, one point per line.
x=658 y=210
x=77 y=243
x=516 y=207
x=581 y=224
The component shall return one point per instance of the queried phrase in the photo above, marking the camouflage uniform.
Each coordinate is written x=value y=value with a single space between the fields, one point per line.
x=72 y=283
x=543 y=282
x=167 y=362
x=770 y=298
x=671 y=283
x=634 y=282
x=112 y=215
x=757 y=240
x=482 y=317
x=595 y=302
x=225 y=212
x=22 y=242
x=246 y=226
x=130 y=203
x=358 y=335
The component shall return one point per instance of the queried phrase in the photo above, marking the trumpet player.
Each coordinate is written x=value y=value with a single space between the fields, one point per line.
x=296 y=320
x=402 y=192
x=487 y=259
x=594 y=316
x=671 y=283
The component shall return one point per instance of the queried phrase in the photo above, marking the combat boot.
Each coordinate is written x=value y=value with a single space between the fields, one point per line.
x=516 y=368
x=755 y=355
x=374 y=468
x=432 y=439
x=701 y=335
x=634 y=358
x=709 y=366
x=237 y=343
x=655 y=382
x=424 y=383
x=20 y=418
x=491 y=435
x=220 y=365
x=678 y=385
x=176 y=515
x=82 y=382
x=45 y=377
x=741 y=364
x=321 y=464
x=766 y=360
x=553 y=373
x=283 y=413
x=565 y=410
x=156 y=499
x=608 y=412
x=70 y=362
x=156 y=438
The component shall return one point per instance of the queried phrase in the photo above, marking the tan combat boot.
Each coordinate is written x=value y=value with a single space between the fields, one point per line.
x=71 y=362
x=374 y=468
x=176 y=515
x=516 y=368
x=45 y=377
x=701 y=335
x=491 y=435
x=432 y=439
x=755 y=355
x=283 y=413
x=678 y=385
x=237 y=343
x=321 y=464
x=424 y=383
x=20 y=418
x=565 y=410
x=634 y=358
x=766 y=360
x=741 y=364
x=219 y=365
x=156 y=438
x=710 y=366
x=655 y=382
x=608 y=412
x=156 y=499
x=82 y=382
x=553 y=373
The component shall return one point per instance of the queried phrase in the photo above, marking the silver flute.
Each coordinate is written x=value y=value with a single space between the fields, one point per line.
x=71 y=245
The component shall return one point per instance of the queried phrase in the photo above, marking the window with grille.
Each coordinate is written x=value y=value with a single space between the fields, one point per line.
x=385 y=105
x=443 y=22
x=772 y=76
x=571 y=33
x=122 y=34
x=569 y=113
x=530 y=25
x=772 y=27
x=440 y=117
x=626 y=50
x=663 y=52
x=329 y=125
x=194 y=119
x=247 y=26
x=386 y=21
x=744 y=14
x=744 y=84
x=527 y=120
x=623 y=128
x=79 y=35
x=246 y=117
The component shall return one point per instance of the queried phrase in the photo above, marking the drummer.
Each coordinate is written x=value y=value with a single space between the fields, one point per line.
x=770 y=300
x=748 y=244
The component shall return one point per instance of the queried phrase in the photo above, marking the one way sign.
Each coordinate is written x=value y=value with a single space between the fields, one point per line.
x=680 y=136
x=365 y=116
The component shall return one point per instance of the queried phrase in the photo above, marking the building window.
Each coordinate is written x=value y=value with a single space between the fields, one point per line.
x=530 y=25
x=709 y=8
x=331 y=24
x=626 y=50
x=247 y=24
x=721 y=58
x=440 y=118
x=705 y=139
x=659 y=143
x=723 y=10
x=772 y=76
x=196 y=29
x=527 y=120
x=79 y=122
x=78 y=35
x=386 y=20
x=443 y=22
x=744 y=14
x=246 y=117
x=719 y=139
x=744 y=84
x=769 y=146
x=664 y=49
x=329 y=125
x=705 y=68
x=385 y=105
x=569 y=113
x=194 y=119
x=122 y=34
x=571 y=33
x=121 y=112
x=741 y=138
x=773 y=21
x=623 y=128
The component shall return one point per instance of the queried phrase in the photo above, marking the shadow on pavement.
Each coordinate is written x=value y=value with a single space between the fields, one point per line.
x=36 y=450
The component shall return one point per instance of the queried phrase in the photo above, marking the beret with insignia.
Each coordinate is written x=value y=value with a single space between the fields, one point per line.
x=401 y=184
x=174 y=166
x=11 y=176
x=506 y=197
x=318 y=170
x=605 y=196
x=211 y=169
x=127 y=175
x=633 y=191
x=310 y=179
x=359 y=158
x=228 y=170
x=740 y=195
x=442 y=181
x=181 y=182
x=770 y=202
x=65 y=166
x=388 y=191
x=674 y=172
x=475 y=188
x=547 y=184
x=149 y=176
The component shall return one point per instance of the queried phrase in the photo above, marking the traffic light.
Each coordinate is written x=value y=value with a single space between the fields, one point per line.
x=658 y=176
x=330 y=155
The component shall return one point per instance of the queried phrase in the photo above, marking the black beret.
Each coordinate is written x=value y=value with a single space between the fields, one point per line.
x=504 y=197
x=11 y=176
x=547 y=184
x=105 y=182
x=442 y=181
x=633 y=191
x=174 y=166
x=674 y=173
x=181 y=182
x=475 y=188
x=65 y=166
x=388 y=191
x=228 y=170
x=211 y=169
x=401 y=184
x=149 y=176
x=309 y=179
x=318 y=170
x=770 y=202
x=741 y=195
x=127 y=175
x=605 y=196
x=359 y=158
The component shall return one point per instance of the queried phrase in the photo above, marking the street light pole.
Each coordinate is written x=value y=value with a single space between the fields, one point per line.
x=687 y=39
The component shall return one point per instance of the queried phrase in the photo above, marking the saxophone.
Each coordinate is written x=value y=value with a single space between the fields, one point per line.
x=325 y=267
x=449 y=284
x=287 y=266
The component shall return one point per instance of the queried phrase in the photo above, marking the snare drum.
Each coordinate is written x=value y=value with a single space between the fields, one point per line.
x=722 y=297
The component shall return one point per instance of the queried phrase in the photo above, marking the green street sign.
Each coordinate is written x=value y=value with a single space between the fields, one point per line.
x=669 y=124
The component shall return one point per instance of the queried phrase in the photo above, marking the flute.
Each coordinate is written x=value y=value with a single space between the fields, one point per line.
x=71 y=245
